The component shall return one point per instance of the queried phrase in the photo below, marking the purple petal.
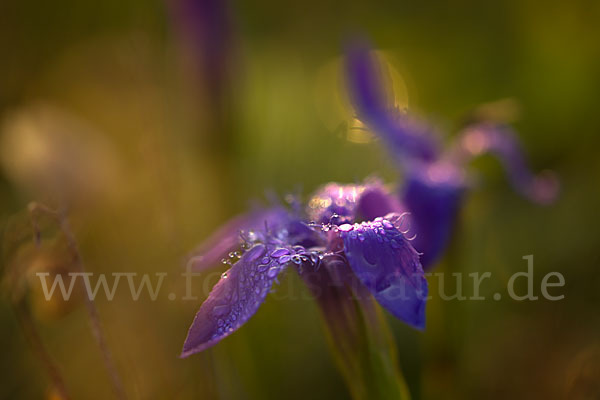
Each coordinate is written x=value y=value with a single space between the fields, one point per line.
x=334 y=200
x=234 y=299
x=432 y=196
x=375 y=202
x=227 y=238
x=205 y=28
x=386 y=263
x=369 y=97
x=349 y=202
x=501 y=141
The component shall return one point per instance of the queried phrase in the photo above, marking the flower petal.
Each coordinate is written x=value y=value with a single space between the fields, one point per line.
x=235 y=298
x=334 y=203
x=350 y=203
x=432 y=195
x=227 y=238
x=501 y=141
x=406 y=136
x=386 y=263
x=375 y=202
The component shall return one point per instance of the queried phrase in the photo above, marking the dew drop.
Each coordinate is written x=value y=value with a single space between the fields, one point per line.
x=345 y=228
x=273 y=271
x=299 y=249
x=262 y=267
x=280 y=252
x=284 y=259
x=314 y=258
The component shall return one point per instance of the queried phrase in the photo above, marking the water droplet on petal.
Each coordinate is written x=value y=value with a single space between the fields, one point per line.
x=280 y=252
x=273 y=271
x=299 y=249
x=284 y=259
x=296 y=259
x=262 y=267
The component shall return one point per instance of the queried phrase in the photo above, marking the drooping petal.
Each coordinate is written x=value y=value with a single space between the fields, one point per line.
x=386 y=263
x=236 y=297
x=405 y=135
x=432 y=195
x=500 y=141
x=227 y=238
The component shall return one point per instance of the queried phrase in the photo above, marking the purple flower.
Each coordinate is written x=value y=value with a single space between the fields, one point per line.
x=436 y=180
x=204 y=27
x=329 y=239
x=405 y=135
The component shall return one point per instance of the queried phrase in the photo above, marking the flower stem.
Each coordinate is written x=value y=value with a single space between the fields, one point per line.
x=360 y=341
x=39 y=349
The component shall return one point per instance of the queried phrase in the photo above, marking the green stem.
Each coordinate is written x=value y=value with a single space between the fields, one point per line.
x=362 y=344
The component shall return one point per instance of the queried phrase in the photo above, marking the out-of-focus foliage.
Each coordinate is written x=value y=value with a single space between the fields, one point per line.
x=153 y=169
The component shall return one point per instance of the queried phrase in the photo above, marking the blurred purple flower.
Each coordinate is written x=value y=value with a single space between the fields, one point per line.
x=329 y=240
x=205 y=29
x=435 y=180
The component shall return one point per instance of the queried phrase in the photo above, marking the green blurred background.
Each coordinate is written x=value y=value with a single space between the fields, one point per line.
x=109 y=107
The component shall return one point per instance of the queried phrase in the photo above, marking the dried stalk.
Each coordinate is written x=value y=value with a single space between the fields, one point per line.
x=94 y=319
